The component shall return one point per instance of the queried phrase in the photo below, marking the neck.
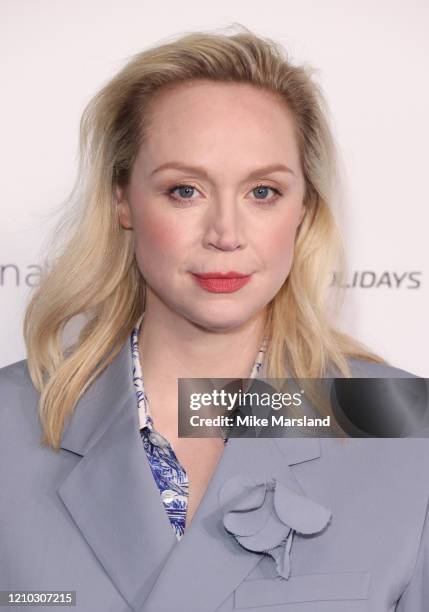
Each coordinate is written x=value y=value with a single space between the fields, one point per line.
x=171 y=346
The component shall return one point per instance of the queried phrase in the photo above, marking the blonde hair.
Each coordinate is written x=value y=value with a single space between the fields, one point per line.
x=95 y=273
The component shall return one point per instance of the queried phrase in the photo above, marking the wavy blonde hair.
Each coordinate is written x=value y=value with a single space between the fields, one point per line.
x=95 y=273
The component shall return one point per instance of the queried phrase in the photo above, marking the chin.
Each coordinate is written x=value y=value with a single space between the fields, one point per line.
x=220 y=319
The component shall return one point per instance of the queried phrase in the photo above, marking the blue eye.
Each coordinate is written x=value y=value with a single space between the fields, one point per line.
x=184 y=189
x=187 y=192
x=264 y=188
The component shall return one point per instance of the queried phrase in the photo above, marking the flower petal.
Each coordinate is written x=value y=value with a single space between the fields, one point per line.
x=267 y=539
x=252 y=500
x=270 y=534
x=299 y=512
x=242 y=493
x=246 y=522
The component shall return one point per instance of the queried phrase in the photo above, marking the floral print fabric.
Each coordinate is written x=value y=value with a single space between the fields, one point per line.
x=169 y=475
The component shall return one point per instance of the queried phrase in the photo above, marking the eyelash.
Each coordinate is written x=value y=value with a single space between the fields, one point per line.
x=269 y=202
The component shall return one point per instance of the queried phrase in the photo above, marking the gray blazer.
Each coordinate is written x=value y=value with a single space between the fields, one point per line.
x=90 y=519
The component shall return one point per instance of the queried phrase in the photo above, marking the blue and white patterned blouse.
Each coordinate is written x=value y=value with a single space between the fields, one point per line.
x=168 y=473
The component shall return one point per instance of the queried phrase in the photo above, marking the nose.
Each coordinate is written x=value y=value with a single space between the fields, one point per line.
x=224 y=228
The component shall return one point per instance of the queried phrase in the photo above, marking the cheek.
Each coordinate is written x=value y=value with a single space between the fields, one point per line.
x=159 y=241
x=158 y=235
x=279 y=246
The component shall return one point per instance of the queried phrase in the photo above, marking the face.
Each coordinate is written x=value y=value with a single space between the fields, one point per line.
x=216 y=187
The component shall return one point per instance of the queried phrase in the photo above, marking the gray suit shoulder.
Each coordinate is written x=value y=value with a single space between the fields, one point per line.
x=367 y=369
x=15 y=377
x=15 y=373
x=18 y=397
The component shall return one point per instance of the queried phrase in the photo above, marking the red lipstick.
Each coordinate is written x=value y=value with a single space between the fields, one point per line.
x=216 y=282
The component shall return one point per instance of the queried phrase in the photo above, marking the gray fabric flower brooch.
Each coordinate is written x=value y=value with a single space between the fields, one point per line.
x=264 y=516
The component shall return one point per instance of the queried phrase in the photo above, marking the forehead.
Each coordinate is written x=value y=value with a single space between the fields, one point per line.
x=203 y=115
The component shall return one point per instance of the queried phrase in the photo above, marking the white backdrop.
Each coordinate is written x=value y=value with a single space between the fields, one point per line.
x=373 y=65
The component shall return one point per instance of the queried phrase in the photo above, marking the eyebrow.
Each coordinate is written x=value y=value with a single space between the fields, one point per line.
x=203 y=172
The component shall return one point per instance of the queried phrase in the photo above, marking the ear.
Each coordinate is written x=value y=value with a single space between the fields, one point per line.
x=124 y=209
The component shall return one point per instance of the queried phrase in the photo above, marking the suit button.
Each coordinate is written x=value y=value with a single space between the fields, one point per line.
x=168 y=495
x=158 y=440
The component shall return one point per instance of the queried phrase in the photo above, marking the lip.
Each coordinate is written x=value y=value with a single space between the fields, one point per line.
x=216 y=282
x=232 y=274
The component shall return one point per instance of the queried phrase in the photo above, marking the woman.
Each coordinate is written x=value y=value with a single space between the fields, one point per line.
x=204 y=160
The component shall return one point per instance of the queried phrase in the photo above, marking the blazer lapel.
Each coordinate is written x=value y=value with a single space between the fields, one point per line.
x=207 y=555
x=111 y=493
